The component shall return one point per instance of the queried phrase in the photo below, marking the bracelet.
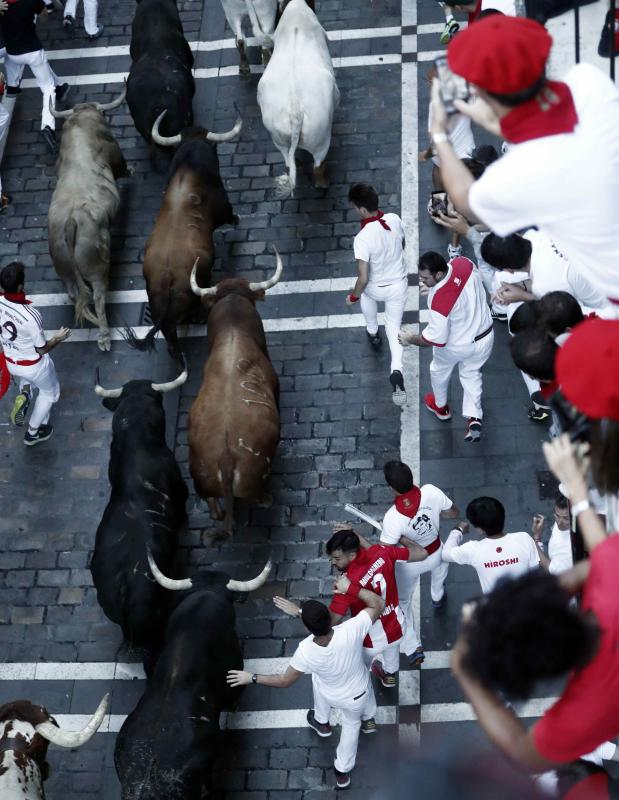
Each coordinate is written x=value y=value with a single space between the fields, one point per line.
x=353 y=589
x=458 y=528
x=578 y=508
x=439 y=138
x=254 y=678
x=353 y=298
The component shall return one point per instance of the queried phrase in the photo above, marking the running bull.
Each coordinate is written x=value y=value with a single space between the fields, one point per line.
x=262 y=15
x=167 y=745
x=234 y=420
x=25 y=733
x=194 y=205
x=83 y=207
x=146 y=509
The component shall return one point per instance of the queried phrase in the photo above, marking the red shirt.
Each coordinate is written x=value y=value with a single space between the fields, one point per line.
x=374 y=569
x=587 y=713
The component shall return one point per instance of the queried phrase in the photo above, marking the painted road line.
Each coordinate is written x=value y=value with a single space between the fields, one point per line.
x=463 y=712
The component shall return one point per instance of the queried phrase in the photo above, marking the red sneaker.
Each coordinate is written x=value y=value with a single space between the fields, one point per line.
x=442 y=412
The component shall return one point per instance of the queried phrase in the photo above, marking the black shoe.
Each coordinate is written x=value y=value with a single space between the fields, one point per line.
x=68 y=22
x=417 y=658
x=61 y=92
x=322 y=729
x=93 y=36
x=374 y=338
x=12 y=91
x=49 y=137
x=5 y=202
x=42 y=435
x=342 y=779
x=538 y=414
x=473 y=430
x=607 y=38
x=397 y=383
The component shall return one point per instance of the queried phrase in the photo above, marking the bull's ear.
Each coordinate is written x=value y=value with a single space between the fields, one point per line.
x=111 y=403
x=45 y=771
x=259 y=294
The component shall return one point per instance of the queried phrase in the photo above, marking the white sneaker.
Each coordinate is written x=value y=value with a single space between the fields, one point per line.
x=453 y=251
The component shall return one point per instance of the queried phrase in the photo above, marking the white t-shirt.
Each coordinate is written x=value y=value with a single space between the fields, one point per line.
x=338 y=670
x=560 y=550
x=513 y=555
x=21 y=330
x=460 y=135
x=382 y=250
x=567 y=185
x=423 y=528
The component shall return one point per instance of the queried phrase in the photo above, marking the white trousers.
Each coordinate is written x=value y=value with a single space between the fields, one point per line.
x=41 y=376
x=470 y=358
x=390 y=656
x=90 y=14
x=4 y=129
x=17 y=69
x=352 y=711
x=406 y=576
x=44 y=75
x=394 y=298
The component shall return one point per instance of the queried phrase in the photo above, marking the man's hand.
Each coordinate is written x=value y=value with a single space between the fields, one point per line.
x=480 y=112
x=405 y=338
x=463 y=525
x=62 y=334
x=568 y=461
x=438 y=115
x=349 y=299
x=287 y=606
x=340 y=586
x=538 y=526
x=454 y=221
x=342 y=526
x=510 y=293
x=238 y=677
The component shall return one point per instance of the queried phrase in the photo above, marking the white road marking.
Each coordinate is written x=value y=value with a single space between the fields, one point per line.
x=463 y=712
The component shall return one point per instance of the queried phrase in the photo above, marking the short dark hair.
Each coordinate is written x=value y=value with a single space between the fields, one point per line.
x=347 y=541
x=534 y=352
x=399 y=476
x=561 y=501
x=363 y=195
x=506 y=252
x=488 y=12
x=475 y=167
x=485 y=153
x=524 y=631
x=12 y=276
x=559 y=311
x=517 y=98
x=524 y=317
x=486 y=513
x=433 y=262
x=316 y=617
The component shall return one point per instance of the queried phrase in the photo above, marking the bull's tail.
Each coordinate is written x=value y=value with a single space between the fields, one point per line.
x=82 y=297
x=265 y=39
x=286 y=183
x=226 y=471
x=148 y=342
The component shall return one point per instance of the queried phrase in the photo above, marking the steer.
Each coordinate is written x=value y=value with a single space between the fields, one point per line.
x=83 y=207
x=146 y=509
x=167 y=745
x=25 y=733
x=234 y=420
x=298 y=94
x=194 y=205
x=262 y=15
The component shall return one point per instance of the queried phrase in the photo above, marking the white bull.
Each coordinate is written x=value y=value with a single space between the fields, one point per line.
x=298 y=94
x=261 y=14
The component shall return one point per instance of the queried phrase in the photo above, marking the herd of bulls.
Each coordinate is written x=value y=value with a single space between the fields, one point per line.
x=185 y=628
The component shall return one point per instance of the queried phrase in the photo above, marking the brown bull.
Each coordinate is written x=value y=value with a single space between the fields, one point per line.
x=194 y=204
x=83 y=207
x=234 y=420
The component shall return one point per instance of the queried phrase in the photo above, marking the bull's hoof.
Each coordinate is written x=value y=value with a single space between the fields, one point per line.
x=266 y=500
x=215 y=509
x=244 y=71
x=321 y=179
x=104 y=342
x=266 y=54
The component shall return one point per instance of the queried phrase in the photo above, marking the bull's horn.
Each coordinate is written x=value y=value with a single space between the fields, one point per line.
x=59 y=114
x=167 y=583
x=165 y=141
x=170 y=385
x=212 y=290
x=273 y=279
x=226 y=137
x=62 y=738
x=115 y=103
x=255 y=583
x=99 y=390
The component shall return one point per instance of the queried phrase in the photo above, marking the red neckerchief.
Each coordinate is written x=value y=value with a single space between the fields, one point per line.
x=474 y=14
x=378 y=217
x=17 y=297
x=408 y=503
x=551 y=112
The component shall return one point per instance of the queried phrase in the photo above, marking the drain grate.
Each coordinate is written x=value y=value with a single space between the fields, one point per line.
x=145 y=317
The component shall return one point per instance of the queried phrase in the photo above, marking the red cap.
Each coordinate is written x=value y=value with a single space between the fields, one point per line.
x=501 y=54
x=587 y=368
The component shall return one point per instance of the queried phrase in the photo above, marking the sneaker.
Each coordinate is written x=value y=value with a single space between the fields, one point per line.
x=368 y=725
x=473 y=430
x=62 y=91
x=20 y=408
x=417 y=658
x=42 y=435
x=441 y=412
x=449 y=31
x=5 y=202
x=322 y=729
x=498 y=315
x=453 y=251
x=69 y=22
x=397 y=383
x=388 y=679
x=374 y=338
x=49 y=137
x=609 y=39
x=342 y=779
x=439 y=603
x=93 y=36
x=538 y=414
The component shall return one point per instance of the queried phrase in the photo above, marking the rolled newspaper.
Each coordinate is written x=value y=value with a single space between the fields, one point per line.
x=365 y=517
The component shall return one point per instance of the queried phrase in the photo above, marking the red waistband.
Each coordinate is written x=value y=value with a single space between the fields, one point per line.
x=24 y=363
x=433 y=546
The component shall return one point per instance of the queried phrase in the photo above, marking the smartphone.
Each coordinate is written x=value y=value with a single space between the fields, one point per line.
x=452 y=86
x=439 y=203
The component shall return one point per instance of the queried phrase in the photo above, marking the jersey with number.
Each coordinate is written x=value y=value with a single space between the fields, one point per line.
x=421 y=523
x=374 y=569
x=21 y=330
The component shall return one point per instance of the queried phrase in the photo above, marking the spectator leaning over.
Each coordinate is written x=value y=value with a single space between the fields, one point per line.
x=92 y=28
x=340 y=679
x=527 y=631
x=18 y=26
x=549 y=124
x=560 y=557
x=460 y=333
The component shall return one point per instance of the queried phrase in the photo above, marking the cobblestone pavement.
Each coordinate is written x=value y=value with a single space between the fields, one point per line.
x=338 y=422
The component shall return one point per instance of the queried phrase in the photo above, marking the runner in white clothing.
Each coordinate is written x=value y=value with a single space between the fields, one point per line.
x=381 y=276
x=499 y=554
x=560 y=554
x=26 y=351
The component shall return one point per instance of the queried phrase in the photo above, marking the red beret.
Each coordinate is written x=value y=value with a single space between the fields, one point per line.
x=587 y=368
x=501 y=54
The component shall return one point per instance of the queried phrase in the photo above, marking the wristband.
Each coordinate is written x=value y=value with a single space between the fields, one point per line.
x=578 y=508
x=458 y=528
x=353 y=589
x=353 y=298
x=439 y=138
x=254 y=678
x=540 y=545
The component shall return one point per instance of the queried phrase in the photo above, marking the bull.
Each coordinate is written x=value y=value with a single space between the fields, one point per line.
x=298 y=94
x=146 y=509
x=161 y=76
x=194 y=205
x=26 y=731
x=82 y=208
x=167 y=745
x=233 y=427
x=262 y=15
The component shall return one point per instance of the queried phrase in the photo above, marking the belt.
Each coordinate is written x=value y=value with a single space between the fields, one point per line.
x=359 y=695
x=433 y=546
x=484 y=334
x=25 y=362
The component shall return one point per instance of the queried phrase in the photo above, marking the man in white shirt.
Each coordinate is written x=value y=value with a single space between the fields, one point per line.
x=560 y=555
x=340 y=678
x=459 y=330
x=26 y=352
x=498 y=554
x=381 y=276
x=416 y=517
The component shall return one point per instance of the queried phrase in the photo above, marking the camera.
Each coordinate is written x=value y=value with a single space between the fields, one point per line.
x=569 y=419
x=452 y=87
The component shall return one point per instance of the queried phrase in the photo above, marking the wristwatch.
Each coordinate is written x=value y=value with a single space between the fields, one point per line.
x=254 y=678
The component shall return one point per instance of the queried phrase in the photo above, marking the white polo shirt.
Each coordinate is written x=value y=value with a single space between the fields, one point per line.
x=567 y=184
x=512 y=555
x=21 y=330
x=457 y=307
x=424 y=527
x=338 y=670
x=560 y=550
x=460 y=135
x=382 y=250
